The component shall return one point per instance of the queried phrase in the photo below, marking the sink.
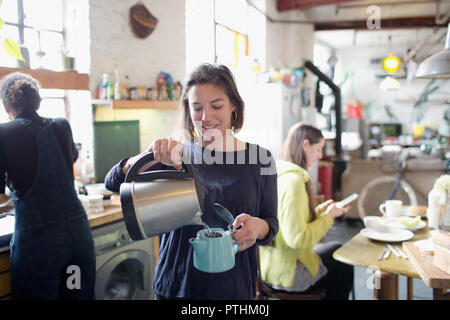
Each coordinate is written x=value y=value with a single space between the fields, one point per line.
x=6 y=230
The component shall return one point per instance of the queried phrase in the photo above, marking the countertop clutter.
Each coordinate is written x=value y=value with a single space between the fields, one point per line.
x=111 y=212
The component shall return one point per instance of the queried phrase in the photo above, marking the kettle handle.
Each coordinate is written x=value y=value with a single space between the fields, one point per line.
x=133 y=175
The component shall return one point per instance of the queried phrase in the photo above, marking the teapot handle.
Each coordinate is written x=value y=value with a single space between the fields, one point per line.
x=133 y=175
x=236 y=247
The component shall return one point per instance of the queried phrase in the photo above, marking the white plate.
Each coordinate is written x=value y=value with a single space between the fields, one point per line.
x=395 y=223
x=387 y=235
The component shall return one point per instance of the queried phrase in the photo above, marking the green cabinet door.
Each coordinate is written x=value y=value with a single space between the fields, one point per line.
x=114 y=140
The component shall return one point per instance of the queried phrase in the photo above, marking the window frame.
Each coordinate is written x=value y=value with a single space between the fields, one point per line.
x=21 y=26
x=236 y=33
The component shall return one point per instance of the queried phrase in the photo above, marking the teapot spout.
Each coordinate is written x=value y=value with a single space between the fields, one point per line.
x=198 y=244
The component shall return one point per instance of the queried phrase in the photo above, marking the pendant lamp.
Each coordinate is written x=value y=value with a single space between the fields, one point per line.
x=438 y=65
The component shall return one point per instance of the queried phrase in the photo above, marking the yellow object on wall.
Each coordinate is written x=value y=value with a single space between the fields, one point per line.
x=418 y=130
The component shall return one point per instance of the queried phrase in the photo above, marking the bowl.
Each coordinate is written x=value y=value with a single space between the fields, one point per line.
x=372 y=222
x=98 y=188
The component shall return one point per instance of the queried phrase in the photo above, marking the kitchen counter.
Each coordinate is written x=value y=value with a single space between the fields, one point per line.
x=111 y=213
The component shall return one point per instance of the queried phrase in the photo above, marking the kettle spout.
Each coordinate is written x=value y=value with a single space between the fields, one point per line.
x=196 y=220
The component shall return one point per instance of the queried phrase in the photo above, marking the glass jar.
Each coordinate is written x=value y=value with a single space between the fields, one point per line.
x=123 y=91
x=142 y=92
x=444 y=213
x=133 y=93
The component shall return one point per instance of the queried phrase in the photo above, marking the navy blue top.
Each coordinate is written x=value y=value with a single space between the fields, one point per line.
x=244 y=182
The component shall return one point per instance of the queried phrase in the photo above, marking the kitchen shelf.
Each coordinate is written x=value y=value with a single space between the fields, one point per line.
x=138 y=104
x=48 y=79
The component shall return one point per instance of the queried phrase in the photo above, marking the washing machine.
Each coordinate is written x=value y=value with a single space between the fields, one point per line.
x=124 y=268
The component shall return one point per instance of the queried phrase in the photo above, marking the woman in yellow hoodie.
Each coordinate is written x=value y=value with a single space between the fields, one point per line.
x=293 y=262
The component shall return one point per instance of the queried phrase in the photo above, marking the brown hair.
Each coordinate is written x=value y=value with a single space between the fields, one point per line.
x=293 y=152
x=20 y=92
x=218 y=75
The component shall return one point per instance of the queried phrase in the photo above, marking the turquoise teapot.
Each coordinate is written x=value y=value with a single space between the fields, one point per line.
x=214 y=250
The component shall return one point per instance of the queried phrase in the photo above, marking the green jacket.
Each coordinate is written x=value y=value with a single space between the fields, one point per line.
x=296 y=236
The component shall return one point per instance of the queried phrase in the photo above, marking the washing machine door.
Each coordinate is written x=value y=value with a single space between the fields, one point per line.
x=126 y=276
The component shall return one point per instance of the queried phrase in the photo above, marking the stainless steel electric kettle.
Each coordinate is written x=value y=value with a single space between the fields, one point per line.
x=160 y=201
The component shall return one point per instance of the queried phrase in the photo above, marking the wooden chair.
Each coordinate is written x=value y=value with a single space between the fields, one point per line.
x=264 y=292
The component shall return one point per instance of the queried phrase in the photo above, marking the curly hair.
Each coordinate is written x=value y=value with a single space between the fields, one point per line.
x=20 y=92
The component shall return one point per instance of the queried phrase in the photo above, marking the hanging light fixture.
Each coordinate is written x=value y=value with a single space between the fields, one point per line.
x=438 y=65
x=391 y=63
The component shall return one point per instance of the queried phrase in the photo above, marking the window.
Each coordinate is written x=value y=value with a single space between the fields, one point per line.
x=40 y=36
x=230 y=32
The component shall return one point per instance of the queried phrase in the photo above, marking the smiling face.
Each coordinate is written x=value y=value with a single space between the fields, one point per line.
x=210 y=110
x=313 y=152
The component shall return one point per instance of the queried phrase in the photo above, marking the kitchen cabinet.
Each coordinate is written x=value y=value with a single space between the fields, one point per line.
x=48 y=79
x=138 y=104
x=5 y=276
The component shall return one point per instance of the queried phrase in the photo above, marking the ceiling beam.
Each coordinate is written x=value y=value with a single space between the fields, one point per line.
x=394 y=23
x=285 y=5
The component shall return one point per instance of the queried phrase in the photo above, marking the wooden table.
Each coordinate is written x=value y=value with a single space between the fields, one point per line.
x=433 y=277
x=363 y=252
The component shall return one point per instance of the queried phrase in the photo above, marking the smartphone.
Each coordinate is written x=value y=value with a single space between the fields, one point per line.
x=347 y=200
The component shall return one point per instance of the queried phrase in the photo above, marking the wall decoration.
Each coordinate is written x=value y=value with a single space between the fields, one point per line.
x=142 y=22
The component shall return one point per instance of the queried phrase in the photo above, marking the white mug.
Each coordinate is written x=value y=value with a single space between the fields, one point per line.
x=391 y=208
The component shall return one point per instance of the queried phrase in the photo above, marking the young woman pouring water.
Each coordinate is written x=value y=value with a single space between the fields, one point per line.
x=238 y=175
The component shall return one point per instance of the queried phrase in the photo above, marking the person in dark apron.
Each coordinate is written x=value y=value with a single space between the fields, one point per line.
x=52 y=249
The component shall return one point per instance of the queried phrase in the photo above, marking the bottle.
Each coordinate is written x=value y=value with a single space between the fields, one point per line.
x=104 y=87
x=434 y=197
x=88 y=168
x=100 y=91
x=109 y=91
x=117 y=89
x=444 y=212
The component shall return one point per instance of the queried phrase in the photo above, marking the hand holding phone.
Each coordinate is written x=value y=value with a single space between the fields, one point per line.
x=347 y=200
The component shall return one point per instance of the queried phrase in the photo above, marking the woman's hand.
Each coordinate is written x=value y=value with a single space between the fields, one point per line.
x=334 y=211
x=251 y=229
x=166 y=150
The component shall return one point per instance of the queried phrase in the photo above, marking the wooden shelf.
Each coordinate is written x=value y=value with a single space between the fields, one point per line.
x=145 y=104
x=65 y=80
x=138 y=104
